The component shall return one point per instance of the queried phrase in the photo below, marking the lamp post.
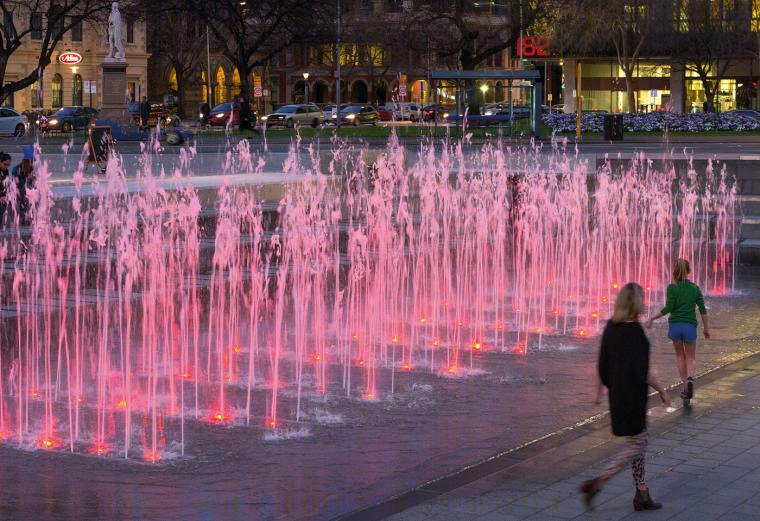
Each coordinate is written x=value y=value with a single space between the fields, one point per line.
x=306 y=86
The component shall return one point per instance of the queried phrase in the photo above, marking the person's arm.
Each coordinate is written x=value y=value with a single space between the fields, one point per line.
x=703 y=312
x=670 y=303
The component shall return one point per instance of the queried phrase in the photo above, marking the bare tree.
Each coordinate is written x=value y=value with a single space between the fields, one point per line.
x=251 y=33
x=182 y=49
x=25 y=19
x=708 y=41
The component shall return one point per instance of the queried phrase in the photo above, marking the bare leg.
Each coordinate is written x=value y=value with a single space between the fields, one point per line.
x=690 y=358
x=678 y=346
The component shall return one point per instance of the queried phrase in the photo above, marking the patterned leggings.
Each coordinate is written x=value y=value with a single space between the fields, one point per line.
x=634 y=451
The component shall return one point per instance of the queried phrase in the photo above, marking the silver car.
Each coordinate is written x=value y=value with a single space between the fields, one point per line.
x=12 y=123
x=292 y=115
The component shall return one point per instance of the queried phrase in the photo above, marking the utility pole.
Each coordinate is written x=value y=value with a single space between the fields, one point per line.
x=578 y=102
x=208 y=69
x=337 y=74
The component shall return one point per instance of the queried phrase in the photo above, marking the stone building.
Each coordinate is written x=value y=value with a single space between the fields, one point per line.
x=79 y=83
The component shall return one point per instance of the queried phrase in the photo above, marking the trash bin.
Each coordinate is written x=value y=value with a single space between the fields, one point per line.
x=613 y=127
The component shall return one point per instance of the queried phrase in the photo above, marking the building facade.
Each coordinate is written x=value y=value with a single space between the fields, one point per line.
x=81 y=83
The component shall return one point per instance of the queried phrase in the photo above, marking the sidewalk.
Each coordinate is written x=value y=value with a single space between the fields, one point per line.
x=703 y=463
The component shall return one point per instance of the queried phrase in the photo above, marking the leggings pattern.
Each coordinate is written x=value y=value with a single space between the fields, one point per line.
x=634 y=452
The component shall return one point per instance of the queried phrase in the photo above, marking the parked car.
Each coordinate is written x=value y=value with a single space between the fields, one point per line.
x=292 y=115
x=403 y=111
x=220 y=114
x=384 y=113
x=159 y=113
x=69 y=119
x=13 y=123
x=357 y=114
x=503 y=109
x=433 y=113
x=328 y=111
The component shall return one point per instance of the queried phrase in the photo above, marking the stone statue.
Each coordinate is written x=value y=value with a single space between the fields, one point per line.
x=115 y=45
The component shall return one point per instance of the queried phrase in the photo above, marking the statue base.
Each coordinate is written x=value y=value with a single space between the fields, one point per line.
x=114 y=97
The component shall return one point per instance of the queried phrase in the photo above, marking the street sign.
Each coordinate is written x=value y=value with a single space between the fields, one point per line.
x=90 y=87
x=257 y=90
x=653 y=93
x=402 y=90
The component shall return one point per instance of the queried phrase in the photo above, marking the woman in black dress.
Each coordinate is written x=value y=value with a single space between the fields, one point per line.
x=624 y=369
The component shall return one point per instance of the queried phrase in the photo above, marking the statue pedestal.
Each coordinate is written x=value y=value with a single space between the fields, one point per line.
x=114 y=97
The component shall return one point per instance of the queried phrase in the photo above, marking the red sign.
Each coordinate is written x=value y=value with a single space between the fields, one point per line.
x=69 y=58
x=533 y=46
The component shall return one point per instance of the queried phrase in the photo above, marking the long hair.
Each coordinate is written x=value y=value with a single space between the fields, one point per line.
x=681 y=270
x=629 y=303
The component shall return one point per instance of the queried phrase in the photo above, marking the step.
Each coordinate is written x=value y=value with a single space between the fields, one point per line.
x=749 y=252
x=749 y=204
x=750 y=227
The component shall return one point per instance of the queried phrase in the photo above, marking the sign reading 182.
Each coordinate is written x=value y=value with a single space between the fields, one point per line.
x=533 y=46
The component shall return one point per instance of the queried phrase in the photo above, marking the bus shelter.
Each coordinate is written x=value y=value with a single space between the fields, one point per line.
x=511 y=95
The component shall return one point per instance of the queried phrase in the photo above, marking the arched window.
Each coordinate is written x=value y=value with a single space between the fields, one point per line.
x=236 y=82
x=204 y=87
x=57 y=85
x=172 y=83
x=219 y=88
x=76 y=90
x=36 y=98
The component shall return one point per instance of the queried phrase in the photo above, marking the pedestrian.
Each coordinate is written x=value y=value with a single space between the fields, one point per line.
x=23 y=176
x=5 y=179
x=205 y=113
x=681 y=298
x=144 y=113
x=623 y=368
x=245 y=114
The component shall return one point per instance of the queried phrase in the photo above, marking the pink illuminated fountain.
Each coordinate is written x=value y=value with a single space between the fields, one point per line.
x=141 y=310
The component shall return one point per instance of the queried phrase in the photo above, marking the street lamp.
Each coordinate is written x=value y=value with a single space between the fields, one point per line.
x=483 y=89
x=306 y=86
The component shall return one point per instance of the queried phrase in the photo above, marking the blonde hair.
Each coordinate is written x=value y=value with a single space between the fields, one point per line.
x=629 y=303
x=681 y=270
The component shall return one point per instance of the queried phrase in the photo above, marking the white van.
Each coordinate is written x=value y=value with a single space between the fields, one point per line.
x=403 y=111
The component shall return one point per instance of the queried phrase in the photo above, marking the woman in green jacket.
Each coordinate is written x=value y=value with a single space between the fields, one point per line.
x=682 y=297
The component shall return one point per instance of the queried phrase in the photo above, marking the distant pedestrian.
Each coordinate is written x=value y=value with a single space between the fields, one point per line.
x=623 y=368
x=24 y=178
x=5 y=180
x=144 y=112
x=205 y=113
x=681 y=298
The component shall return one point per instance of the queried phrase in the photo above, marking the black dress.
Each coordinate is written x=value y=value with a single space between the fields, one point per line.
x=623 y=367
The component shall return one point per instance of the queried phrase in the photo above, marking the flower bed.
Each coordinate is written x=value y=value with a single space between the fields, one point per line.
x=655 y=122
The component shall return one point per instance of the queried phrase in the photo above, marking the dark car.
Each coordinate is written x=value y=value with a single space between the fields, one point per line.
x=158 y=113
x=220 y=114
x=68 y=119
x=358 y=114
x=384 y=113
x=433 y=113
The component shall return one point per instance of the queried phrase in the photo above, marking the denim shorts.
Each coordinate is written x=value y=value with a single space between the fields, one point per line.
x=682 y=331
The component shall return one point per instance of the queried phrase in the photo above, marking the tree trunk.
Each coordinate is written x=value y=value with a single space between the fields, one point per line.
x=709 y=94
x=245 y=80
x=629 y=91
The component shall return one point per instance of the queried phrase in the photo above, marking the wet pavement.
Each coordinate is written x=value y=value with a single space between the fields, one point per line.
x=702 y=463
x=349 y=454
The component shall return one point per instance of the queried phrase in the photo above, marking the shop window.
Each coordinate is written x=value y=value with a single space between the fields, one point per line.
x=76 y=90
x=57 y=85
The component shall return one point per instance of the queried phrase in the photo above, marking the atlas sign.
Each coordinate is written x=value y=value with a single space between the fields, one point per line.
x=69 y=58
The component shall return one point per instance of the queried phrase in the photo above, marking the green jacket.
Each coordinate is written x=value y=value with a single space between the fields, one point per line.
x=682 y=297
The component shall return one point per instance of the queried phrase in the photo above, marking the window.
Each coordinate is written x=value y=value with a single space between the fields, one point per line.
x=349 y=55
x=376 y=56
x=8 y=27
x=55 y=21
x=681 y=16
x=9 y=101
x=36 y=98
x=76 y=29
x=395 y=6
x=57 y=85
x=130 y=31
x=76 y=90
x=35 y=26
x=755 y=16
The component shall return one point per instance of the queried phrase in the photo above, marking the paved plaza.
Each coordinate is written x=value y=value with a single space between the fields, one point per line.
x=703 y=463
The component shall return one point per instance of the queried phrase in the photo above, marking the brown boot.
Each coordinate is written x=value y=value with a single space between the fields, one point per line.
x=643 y=501
x=589 y=489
